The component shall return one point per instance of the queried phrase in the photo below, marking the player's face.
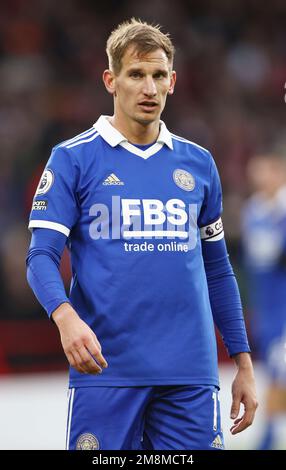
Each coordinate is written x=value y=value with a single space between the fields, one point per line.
x=142 y=85
x=265 y=174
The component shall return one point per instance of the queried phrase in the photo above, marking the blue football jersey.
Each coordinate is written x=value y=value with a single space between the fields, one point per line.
x=134 y=218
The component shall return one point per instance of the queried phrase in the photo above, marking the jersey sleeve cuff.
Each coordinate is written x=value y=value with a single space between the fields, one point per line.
x=51 y=225
x=237 y=350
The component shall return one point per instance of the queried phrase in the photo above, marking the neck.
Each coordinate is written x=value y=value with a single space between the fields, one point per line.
x=136 y=132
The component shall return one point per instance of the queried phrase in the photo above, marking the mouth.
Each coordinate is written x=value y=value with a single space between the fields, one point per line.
x=148 y=106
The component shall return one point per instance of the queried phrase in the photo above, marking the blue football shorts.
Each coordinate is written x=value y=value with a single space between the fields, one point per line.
x=144 y=418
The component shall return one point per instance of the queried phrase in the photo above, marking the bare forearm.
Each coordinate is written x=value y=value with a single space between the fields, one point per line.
x=62 y=312
x=243 y=361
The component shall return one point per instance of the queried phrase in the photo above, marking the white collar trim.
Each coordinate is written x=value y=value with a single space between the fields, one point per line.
x=113 y=137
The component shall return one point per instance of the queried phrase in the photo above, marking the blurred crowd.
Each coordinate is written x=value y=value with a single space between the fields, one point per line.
x=231 y=66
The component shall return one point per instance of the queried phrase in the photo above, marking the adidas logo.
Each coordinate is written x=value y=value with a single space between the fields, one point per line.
x=217 y=443
x=112 y=180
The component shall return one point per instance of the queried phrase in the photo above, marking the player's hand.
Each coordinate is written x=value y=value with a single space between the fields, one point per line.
x=79 y=342
x=243 y=391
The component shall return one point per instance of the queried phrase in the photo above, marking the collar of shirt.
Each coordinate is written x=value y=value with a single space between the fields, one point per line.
x=113 y=137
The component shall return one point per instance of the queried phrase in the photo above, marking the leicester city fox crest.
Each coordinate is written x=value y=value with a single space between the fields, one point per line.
x=87 y=441
x=184 y=179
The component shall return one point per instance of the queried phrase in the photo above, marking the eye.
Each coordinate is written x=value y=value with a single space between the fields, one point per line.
x=135 y=74
x=160 y=75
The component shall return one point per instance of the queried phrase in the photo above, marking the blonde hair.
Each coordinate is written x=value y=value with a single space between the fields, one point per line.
x=145 y=37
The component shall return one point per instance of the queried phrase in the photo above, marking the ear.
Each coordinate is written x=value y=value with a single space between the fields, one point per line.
x=172 y=82
x=108 y=78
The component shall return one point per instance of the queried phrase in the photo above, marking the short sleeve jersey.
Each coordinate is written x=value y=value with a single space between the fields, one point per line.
x=134 y=219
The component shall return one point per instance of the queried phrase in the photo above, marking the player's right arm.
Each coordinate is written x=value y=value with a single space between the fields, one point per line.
x=54 y=213
x=79 y=342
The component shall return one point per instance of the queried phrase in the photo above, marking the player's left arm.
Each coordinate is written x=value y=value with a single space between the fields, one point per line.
x=225 y=300
x=228 y=316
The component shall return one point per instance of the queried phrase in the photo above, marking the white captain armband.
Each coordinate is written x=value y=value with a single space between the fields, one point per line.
x=212 y=232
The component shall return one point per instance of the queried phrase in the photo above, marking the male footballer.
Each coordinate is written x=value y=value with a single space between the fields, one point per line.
x=139 y=209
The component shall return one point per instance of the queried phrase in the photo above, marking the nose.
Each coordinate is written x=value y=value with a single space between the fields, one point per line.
x=149 y=88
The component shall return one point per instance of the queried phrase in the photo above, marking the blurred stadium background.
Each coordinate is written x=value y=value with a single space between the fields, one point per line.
x=231 y=66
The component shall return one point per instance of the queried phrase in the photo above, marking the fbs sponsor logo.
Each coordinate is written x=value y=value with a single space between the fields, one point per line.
x=112 y=180
x=144 y=218
x=217 y=443
x=40 y=205
x=87 y=441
